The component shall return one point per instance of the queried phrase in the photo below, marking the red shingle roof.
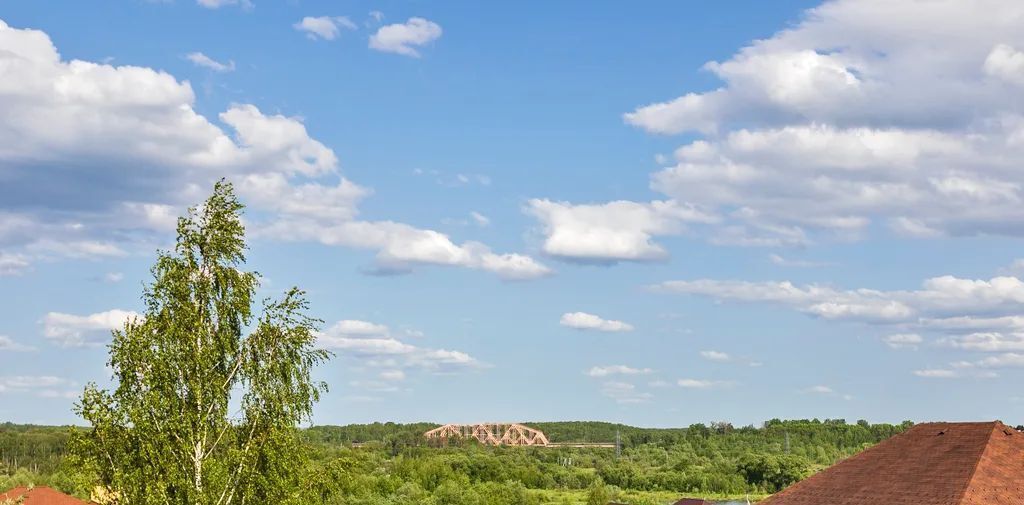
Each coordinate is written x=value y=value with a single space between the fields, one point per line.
x=929 y=464
x=41 y=495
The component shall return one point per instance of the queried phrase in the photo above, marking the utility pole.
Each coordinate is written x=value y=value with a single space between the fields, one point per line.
x=787 y=442
x=618 y=445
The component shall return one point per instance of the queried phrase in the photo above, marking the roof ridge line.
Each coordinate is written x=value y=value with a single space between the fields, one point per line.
x=977 y=463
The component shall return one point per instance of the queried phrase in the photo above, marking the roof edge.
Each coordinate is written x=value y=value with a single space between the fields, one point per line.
x=997 y=426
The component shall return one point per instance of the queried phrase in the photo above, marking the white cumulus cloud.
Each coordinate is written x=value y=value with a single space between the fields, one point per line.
x=611 y=232
x=70 y=330
x=202 y=60
x=586 y=321
x=324 y=27
x=405 y=38
x=605 y=371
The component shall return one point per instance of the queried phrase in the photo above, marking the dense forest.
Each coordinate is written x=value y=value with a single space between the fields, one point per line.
x=388 y=463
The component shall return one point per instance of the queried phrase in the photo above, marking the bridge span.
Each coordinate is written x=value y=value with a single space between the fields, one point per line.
x=501 y=434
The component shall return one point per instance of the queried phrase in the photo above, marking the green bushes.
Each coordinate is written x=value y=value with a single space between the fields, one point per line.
x=718 y=459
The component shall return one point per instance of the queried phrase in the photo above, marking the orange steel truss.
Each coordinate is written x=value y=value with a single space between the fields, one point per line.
x=489 y=434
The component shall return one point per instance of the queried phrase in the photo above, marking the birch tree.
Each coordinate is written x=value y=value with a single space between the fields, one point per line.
x=207 y=394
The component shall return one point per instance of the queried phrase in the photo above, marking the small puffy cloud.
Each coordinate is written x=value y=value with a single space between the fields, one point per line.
x=13 y=264
x=788 y=262
x=202 y=60
x=700 y=383
x=392 y=375
x=89 y=249
x=69 y=330
x=715 y=356
x=43 y=386
x=357 y=328
x=820 y=301
x=936 y=373
x=585 y=321
x=625 y=393
x=820 y=390
x=324 y=27
x=364 y=342
x=400 y=247
x=216 y=4
x=404 y=38
x=113 y=277
x=903 y=340
x=989 y=341
x=480 y=219
x=611 y=232
x=605 y=371
x=9 y=344
x=1005 y=62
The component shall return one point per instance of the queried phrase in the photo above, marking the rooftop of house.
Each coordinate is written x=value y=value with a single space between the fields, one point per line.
x=929 y=464
x=41 y=495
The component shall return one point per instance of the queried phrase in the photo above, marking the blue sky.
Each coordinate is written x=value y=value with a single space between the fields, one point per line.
x=678 y=213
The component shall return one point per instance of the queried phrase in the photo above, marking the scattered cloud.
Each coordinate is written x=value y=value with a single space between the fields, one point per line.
x=202 y=60
x=324 y=27
x=610 y=232
x=69 y=330
x=585 y=321
x=903 y=340
x=79 y=117
x=973 y=315
x=843 y=120
x=13 y=264
x=820 y=390
x=625 y=393
x=821 y=301
x=480 y=219
x=374 y=346
x=44 y=386
x=715 y=356
x=8 y=344
x=605 y=371
x=787 y=262
x=406 y=37
x=936 y=373
x=701 y=383
x=357 y=328
x=216 y=4
x=833 y=129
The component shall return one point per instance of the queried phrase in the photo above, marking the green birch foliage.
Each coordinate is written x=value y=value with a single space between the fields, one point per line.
x=208 y=395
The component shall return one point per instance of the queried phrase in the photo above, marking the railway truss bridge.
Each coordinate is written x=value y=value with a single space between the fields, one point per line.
x=499 y=434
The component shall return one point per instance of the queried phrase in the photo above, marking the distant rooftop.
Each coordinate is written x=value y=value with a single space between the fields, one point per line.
x=41 y=495
x=929 y=464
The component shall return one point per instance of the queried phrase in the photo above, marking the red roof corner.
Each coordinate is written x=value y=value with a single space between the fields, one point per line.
x=929 y=464
x=41 y=495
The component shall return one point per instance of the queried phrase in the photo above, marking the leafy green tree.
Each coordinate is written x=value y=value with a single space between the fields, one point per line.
x=773 y=472
x=598 y=493
x=207 y=394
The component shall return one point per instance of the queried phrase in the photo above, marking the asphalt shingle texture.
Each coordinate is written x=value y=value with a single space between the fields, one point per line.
x=929 y=464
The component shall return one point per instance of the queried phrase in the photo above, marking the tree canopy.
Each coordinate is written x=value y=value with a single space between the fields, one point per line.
x=207 y=393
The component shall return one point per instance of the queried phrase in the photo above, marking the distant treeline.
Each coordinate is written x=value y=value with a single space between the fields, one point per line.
x=38 y=449
x=393 y=464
